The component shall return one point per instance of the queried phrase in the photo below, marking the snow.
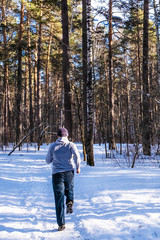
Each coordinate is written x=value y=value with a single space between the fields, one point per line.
x=112 y=201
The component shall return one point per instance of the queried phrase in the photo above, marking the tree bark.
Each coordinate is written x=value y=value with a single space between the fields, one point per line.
x=139 y=80
x=39 y=69
x=157 y=24
x=84 y=56
x=46 y=104
x=35 y=81
x=79 y=113
x=90 y=106
x=111 y=99
x=30 y=76
x=5 y=79
x=47 y=68
x=146 y=99
x=65 y=68
x=19 y=78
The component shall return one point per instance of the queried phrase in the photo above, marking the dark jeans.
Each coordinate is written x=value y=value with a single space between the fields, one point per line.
x=63 y=184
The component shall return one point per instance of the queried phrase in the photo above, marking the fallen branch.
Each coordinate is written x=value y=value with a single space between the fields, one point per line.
x=40 y=137
x=23 y=139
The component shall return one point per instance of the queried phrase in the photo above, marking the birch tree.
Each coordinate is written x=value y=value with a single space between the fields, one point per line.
x=90 y=107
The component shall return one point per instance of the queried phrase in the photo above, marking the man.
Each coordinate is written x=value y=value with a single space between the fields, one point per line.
x=61 y=154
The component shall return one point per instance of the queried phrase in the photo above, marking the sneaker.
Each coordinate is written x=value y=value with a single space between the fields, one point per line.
x=70 y=207
x=61 y=228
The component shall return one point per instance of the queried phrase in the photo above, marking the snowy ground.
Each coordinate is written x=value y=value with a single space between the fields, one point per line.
x=112 y=202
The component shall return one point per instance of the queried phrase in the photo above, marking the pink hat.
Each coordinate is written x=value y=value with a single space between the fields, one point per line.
x=62 y=132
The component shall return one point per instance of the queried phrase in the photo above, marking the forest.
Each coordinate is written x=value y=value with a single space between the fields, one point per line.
x=92 y=68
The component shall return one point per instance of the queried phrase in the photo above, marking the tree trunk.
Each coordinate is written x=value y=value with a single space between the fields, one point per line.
x=146 y=99
x=39 y=70
x=157 y=24
x=129 y=120
x=5 y=79
x=139 y=82
x=90 y=107
x=35 y=81
x=19 y=78
x=107 y=100
x=30 y=76
x=46 y=104
x=78 y=104
x=65 y=66
x=25 y=109
x=111 y=99
x=84 y=56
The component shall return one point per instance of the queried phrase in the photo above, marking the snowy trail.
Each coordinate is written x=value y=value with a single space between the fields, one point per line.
x=110 y=203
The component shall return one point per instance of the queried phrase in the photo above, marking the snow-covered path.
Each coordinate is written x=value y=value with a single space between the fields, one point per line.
x=110 y=203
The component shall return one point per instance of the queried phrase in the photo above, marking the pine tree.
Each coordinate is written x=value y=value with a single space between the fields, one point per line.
x=19 y=77
x=146 y=98
x=65 y=68
x=111 y=92
x=5 y=113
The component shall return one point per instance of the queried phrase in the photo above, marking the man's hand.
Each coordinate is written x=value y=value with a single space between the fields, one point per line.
x=78 y=170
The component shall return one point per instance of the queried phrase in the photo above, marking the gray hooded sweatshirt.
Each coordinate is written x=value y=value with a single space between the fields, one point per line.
x=63 y=155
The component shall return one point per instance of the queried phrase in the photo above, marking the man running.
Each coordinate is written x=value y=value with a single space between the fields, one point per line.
x=63 y=155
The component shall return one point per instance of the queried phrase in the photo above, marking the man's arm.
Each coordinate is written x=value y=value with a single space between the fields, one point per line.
x=77 y=158
x=49 y=157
